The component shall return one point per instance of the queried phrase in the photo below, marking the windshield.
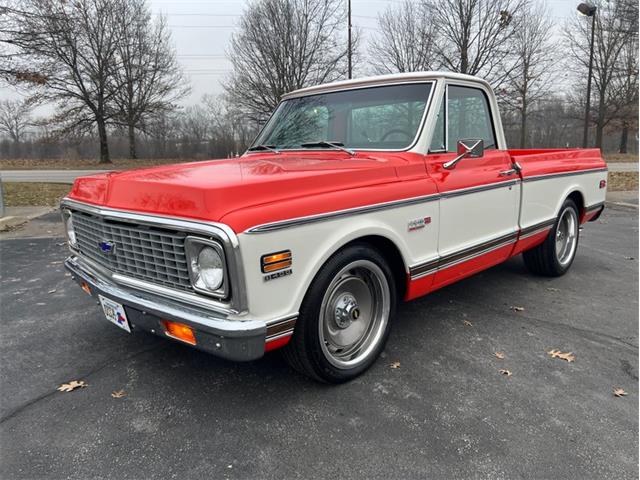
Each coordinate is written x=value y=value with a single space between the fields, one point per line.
x=367 y=118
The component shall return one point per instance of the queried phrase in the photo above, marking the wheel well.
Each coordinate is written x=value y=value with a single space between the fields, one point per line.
x=390 y=252
x=578 y=199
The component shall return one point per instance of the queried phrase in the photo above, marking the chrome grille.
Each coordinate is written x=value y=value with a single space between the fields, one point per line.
x=147 y=253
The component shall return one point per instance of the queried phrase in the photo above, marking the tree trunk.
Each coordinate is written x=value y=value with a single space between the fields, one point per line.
x=132 y=142
x=464 y=59
x=523 y=127
x=624 y=138
x=600 y=122
x=104 y=146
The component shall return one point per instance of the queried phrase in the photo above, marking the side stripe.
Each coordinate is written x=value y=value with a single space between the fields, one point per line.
x=455 y=258
x=548 y=176
x=321 y=217
x=594 y=207
x=537 y=228
x=296 y=222
x=447 y=261
x=281 y=328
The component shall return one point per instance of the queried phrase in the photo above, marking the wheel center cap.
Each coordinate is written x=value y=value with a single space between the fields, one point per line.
x=346 y=310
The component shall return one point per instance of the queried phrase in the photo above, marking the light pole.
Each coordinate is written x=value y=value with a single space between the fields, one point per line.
x=588 y=10
x=349 y=53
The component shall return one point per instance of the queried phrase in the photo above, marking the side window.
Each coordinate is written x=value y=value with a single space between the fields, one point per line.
x=468 y=116
x=439 y=139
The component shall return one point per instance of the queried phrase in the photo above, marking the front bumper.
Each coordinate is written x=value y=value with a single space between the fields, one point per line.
x=240 y=340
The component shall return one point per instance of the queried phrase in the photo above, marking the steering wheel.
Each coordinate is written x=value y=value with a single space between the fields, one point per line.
x=396 y=130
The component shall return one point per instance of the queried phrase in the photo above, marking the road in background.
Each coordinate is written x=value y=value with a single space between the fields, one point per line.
x=68 y=176
x=623 y=167
x=48 y=176
x=446 y=412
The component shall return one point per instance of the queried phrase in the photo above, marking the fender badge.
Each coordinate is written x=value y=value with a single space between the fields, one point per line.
x=418 y=223
x=281 y=273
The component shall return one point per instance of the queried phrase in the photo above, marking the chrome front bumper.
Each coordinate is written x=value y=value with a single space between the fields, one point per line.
x=240 y=340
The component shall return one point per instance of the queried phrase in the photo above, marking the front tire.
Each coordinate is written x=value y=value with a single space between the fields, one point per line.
x=345 y=318
x=554 y=256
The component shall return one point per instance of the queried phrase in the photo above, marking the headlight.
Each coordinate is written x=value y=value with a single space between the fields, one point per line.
x=207 y=271
x=67 y=218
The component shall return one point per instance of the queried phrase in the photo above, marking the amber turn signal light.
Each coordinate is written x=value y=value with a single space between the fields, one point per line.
x=276 y=261
x=179 y=331
x=87 y=289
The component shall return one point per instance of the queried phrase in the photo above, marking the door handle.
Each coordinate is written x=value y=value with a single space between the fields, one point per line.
x=506 y=173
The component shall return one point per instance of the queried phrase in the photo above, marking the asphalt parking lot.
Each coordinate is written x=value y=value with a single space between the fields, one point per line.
x=446 y=412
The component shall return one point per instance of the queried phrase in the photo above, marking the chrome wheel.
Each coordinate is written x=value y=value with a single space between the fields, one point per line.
x=354 y=314
x=566 y=236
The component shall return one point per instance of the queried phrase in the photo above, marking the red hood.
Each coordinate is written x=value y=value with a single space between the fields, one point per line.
x=212 y=189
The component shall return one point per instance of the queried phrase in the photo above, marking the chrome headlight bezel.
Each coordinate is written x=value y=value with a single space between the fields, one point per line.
x=69 y=231
x=192 y=247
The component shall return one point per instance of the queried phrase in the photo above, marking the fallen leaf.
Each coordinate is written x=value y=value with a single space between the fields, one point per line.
x=517 y=309
x=568 y=356
x=506 y=373
x=118 y=394
x=52 y=291
x=499 y=355
x=619 y=392
x=72 y=385
x=467 y=323
x=395 y=365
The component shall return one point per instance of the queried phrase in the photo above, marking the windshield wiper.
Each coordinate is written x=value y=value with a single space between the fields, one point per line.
x=271 y=148
x=324 y=143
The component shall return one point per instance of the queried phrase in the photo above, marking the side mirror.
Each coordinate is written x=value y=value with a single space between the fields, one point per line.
x=467 y=149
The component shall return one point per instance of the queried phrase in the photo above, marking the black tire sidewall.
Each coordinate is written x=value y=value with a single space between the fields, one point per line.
x=310 y=312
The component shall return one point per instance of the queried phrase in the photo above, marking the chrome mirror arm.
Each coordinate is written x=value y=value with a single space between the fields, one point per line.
x=452 y=163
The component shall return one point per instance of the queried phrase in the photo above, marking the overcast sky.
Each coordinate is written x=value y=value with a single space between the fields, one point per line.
x=201 y=31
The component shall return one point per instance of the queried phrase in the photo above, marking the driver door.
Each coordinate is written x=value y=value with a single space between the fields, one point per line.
x=479 y=203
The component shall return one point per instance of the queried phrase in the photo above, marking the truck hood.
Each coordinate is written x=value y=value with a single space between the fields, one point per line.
x=212 y=189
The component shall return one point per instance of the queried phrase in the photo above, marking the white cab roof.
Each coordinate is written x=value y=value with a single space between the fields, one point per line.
x=381 y=80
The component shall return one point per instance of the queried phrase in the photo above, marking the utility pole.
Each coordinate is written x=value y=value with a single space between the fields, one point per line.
x=349 y=52
x=588 y=10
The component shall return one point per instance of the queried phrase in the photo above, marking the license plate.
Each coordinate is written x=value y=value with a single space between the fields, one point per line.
x=115 y=313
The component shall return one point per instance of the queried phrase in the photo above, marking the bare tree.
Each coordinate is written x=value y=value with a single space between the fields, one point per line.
x=71 y=45
x=406 y=39
x=616 y=25
x=283 y=45
x=474 y=36
x=533 y=71
x=12 y=71
x=15 y=118
x=624 y=91
x=149 y=80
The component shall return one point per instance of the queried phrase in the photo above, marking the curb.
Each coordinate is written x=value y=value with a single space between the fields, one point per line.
x=622 y=204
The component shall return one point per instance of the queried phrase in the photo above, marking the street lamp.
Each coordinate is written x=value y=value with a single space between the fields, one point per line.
x=588 y=10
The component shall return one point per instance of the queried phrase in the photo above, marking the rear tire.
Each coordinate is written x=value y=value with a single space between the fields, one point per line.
x=554 y=256
x=345 y=317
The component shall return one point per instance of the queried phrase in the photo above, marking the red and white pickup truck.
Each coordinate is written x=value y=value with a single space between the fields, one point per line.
x=355 y=196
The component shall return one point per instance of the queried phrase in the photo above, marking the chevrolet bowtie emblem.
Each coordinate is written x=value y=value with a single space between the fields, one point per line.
x=107 y=247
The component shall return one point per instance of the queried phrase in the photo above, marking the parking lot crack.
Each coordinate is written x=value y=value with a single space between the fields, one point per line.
x=26 y=405
x=551 y=323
